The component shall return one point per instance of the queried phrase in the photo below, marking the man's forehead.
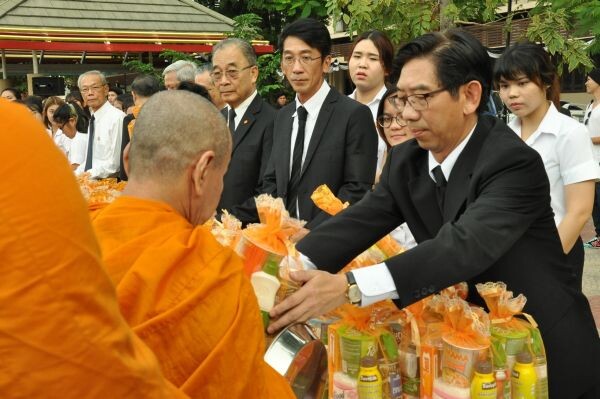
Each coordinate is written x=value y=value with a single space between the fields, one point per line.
x=418 y=74
x=91 y=78
x=295 y=44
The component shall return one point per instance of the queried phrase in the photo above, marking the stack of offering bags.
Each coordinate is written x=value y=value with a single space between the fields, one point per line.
x=99 y=193
x=512 y=336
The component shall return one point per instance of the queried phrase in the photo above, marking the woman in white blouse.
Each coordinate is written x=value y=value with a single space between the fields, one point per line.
x=67 y=117
x=530 y=88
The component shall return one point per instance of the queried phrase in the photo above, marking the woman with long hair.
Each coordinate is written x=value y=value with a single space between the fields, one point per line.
x=370 y=65
x=529 y=87
x=69 y=118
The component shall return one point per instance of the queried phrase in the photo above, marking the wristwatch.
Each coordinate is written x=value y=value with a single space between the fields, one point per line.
x=352 y=292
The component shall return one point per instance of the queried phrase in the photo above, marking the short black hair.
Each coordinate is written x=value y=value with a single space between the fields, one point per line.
x=116 y=89
x=310 y=31
x=34 y=103
x=66 y=111
x=145 y=86
x=126 y=101
x=458 y=58
x=194 y=88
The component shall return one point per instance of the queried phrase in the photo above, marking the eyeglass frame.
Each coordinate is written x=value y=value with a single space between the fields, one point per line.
x=422 y=96
x=304 y=60
x=232 y=74
x=398 y=118
x=85 y=90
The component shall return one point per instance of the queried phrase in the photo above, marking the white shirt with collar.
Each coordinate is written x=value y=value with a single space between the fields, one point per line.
x=241 y=109
x=108 y=126
x=592 y=117
x=374 y=107
x=566 y=149
x=376 y=282
x=62 y=141
x=78 y=149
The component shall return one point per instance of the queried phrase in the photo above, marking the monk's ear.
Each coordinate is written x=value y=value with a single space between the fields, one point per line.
x=126 y=158
x=200 y=171
x=472 y=95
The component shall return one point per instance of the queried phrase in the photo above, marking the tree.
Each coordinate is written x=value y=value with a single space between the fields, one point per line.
x=403 y=20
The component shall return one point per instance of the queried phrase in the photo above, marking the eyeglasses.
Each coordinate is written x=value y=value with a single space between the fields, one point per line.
x=386 y=120
x=86 y=90
x=418 y=102
x=288 y=60
x=231 y=73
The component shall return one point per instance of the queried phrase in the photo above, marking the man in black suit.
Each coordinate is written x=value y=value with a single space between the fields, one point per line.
x=249 y=117
x=476 y=199
x=320 y=138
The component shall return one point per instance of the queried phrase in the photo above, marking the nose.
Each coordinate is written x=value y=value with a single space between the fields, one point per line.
x=297 y=66
x=409 y=113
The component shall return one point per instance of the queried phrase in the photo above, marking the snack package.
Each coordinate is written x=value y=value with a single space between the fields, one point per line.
x=511 y=335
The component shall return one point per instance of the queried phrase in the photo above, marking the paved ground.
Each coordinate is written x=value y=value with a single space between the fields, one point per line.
x=591 y=273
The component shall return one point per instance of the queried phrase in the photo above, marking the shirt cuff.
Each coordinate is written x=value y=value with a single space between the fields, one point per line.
x=375 y=284
x=308 y=265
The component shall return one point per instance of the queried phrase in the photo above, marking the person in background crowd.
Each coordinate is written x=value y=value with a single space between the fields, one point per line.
x=393 y=131
x=61 y=331
x=124 y=102
x=113 y=93
x=105 y=128
x=35 y=105
x=11 y=94
x=142 y=88
x=280 y=100
x=203 y=78
x=195 y=88
x=51 y=104
x=179 y=71
x=322 y=137
x=529 y=87
x=591 y=120
x=67 y=116
x=182 y=292
x=250 y=120
x=74 y=97
x=477 y=200
x=369 y=66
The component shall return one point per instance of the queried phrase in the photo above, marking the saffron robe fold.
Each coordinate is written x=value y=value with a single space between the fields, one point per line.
x=186 y=296
x=61 y=332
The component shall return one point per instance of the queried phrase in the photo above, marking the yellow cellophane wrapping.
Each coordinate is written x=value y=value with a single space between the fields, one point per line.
x=100 y=192
x=228 y=231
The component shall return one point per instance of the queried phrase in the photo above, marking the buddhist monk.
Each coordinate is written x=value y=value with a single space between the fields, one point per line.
x=61 y=333
x=182 y=292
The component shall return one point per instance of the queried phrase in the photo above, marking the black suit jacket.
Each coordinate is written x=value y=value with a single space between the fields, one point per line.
x=342 y=153
x=250 y=152
x=496 y=225
x=124 y=141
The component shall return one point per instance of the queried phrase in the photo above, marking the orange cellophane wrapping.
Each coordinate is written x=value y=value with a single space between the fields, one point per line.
x=500 y=302
x=99 y=193
x=228 y=231
x=326 y=201
x=463 y=326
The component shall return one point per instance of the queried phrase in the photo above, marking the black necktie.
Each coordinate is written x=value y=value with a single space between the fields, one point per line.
x=440 y=185
x=231 y=120
x=90 y=149
x=292 y=192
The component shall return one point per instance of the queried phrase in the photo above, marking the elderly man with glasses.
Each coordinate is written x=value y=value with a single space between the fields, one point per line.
x=104 y=132
x=250 y=120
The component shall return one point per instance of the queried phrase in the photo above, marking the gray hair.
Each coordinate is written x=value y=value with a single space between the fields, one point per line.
x=245 y=47
x=83 y=75
x=173 y=128
x=185 y=70
x=206 y=67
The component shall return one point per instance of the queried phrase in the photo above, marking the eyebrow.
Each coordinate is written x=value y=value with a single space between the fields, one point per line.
x=418 y=87
x=369 y=54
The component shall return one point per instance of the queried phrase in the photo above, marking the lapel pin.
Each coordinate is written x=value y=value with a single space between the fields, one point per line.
x=245 y=121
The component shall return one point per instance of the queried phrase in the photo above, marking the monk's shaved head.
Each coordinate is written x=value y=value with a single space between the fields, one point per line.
x=174 y=128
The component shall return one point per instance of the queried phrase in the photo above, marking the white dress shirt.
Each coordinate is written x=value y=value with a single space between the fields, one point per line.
x=313 y=106
x=375 y=282
x=374 y=107
x=241 y=109
x=108 y=126
x=62 y=141
x=592 y=117
x=78 y=149
x=566 y=149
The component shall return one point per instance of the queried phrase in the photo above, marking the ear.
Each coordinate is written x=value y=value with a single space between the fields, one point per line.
x=126 y=158
x=254 y=72
x=201 y=168
x=327 y=63
x=134 y=97
x=472 y=97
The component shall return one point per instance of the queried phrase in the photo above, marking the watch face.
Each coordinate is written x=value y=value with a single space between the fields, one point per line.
x=354 y=294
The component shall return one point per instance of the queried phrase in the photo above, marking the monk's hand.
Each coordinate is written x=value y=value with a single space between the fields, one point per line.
x=320 y=293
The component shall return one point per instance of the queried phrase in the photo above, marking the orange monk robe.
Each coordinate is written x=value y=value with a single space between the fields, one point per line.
x=186 y=296
x=61 y=333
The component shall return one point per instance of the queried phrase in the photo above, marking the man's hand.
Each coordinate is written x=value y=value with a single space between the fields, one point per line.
x=320 y=293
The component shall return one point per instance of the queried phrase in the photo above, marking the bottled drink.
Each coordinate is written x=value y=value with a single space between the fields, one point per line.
x=523 y=379
x=483 y=385
x=370 y=384
x=541 y=372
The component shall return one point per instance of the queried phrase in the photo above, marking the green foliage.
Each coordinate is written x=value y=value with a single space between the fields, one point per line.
x=291 y=9
x=142 y=67
x=585 y=16
x=246 y=27
x=270 y=79
x=171 y=56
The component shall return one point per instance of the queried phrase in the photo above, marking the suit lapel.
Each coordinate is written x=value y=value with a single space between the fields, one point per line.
x=460 y=177
x=247 y=121
x=322 y=119
x=422 y=193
